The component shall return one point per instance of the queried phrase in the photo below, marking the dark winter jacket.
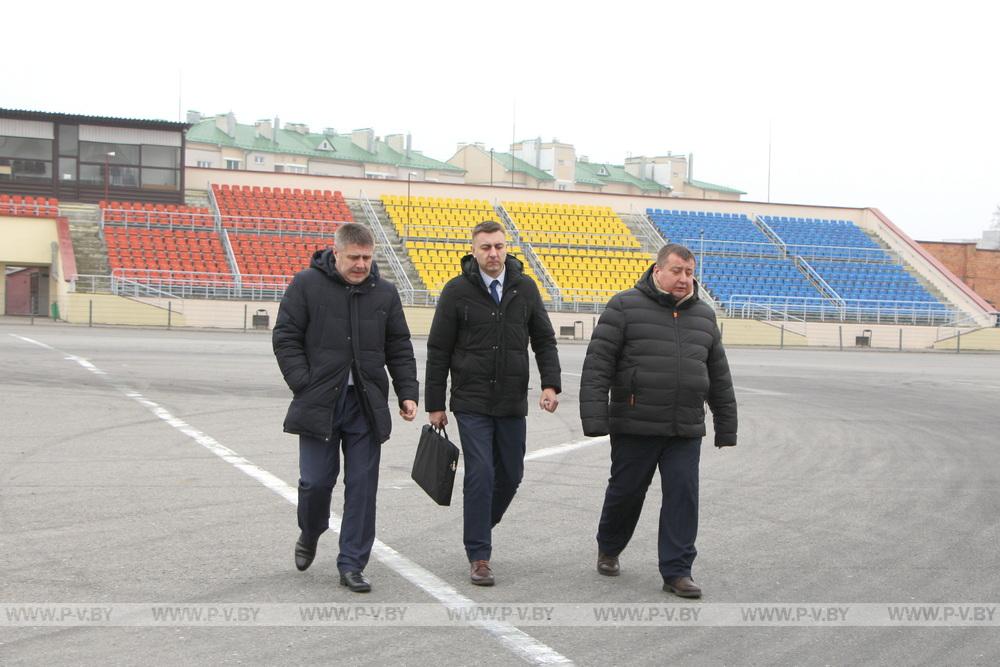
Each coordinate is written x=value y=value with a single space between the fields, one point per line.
x=485 y=346
x=661 y=362
x=327 y=327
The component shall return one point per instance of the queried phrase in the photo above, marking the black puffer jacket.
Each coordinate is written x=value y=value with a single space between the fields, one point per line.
x=661 y=362
x=486 y=346
x=325 y=327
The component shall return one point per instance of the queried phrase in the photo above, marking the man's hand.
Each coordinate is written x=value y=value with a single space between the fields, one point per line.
x=549 y=400
x=438 y=418
x=409 y=410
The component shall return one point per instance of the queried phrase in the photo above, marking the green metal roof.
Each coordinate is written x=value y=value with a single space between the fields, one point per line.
x=589 y=173
x=717 y=188
x=511 y=163
x=290 y=142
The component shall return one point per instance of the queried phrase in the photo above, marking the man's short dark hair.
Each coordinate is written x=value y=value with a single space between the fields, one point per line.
x=487 y=227
x=673 y=249
x=351 y=233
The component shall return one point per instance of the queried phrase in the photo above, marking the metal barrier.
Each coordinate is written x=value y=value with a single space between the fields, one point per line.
x=756 y=306
x=280 y=226
x=403 y=281
x=170 y=220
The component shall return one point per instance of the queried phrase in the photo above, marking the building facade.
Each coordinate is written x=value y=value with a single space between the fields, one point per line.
x=88 y=158
x=219 y=142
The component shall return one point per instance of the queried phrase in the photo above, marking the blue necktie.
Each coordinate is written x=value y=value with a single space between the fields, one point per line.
x=493 y=291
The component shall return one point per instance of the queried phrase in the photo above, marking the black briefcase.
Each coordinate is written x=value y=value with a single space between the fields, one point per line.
x=434 y=465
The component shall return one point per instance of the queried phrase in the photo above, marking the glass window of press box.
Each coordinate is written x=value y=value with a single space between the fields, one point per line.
x=25 y=159
x=136 y=166
x=131 y=166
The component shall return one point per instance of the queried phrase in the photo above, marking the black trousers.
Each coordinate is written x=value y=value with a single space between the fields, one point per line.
x=493 y=456
x=319 y=466
x=634 y=459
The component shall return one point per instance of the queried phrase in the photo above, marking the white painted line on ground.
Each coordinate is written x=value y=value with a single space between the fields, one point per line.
x=33 y=342
x=567 y=447
x=762 y=392
x=749 y=390
x=517 y=641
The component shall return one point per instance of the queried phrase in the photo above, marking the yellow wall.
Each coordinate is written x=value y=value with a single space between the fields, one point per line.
x=27 y=241
x=207 y=314
x=981 y=339
x=752 y=332
x=110 y=309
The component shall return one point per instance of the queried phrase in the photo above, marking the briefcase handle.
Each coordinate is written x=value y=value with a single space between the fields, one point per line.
x=442 y=431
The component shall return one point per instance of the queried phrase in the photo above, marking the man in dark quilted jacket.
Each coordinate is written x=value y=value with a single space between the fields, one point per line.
x=654 y=360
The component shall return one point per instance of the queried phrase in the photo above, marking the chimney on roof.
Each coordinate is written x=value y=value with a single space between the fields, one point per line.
x=364 y=139
x=263 y=129
x=329 y=131
x=226 y=123
x=409 y=144
x=193 y=116
x=301 y=128
x=584 y=158
x=396 y=142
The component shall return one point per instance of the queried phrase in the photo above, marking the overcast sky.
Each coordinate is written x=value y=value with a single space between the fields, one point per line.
x=885 y=104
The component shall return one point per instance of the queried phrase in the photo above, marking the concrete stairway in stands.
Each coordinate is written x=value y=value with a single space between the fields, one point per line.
x=357 y=210
x=88 y=246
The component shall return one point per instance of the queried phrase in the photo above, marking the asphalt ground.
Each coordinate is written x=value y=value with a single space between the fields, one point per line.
x=860 y=477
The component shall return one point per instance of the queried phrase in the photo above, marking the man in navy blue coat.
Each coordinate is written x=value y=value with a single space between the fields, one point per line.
x=339 y=327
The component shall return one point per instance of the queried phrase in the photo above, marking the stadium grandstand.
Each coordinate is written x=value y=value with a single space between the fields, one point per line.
x=435 y=233
x=240 y=235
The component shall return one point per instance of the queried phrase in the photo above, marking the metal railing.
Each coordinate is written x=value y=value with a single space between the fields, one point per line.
x=35 y=210
x=508 y=221
x=214 y=206
x=171 y=220
x=431 y=232
x=230 y=254
x=771 y=234
x=91 y=284
x=402 y=280
x=769 y=307
x=587 y=240
x=548 y=283
x=817 y=280
x=650 y=234
x=835 y=253
x=749 y=249
x=280 y=226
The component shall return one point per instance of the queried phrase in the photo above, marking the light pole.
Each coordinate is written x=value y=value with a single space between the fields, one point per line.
x=107 y=172
x=407 y=229
x=701 y=260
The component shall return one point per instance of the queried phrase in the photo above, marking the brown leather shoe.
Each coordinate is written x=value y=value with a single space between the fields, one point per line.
x=683 y=587
x=608 y=565
x=480 y=573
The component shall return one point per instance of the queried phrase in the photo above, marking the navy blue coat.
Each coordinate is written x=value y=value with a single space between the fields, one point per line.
x=327 y=327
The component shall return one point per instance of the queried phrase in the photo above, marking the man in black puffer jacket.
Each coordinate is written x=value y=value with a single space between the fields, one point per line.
x=657 y=350
x=481 y=329
x=338 y=328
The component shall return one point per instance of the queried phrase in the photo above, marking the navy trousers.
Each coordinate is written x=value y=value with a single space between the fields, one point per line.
x=634 y=459
x=319 y=465
x=493 y=456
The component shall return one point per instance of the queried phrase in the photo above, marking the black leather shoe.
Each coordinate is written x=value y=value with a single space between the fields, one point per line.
x=355 y=581
x=305 y=551
x=608 y=565
x=682 y=587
